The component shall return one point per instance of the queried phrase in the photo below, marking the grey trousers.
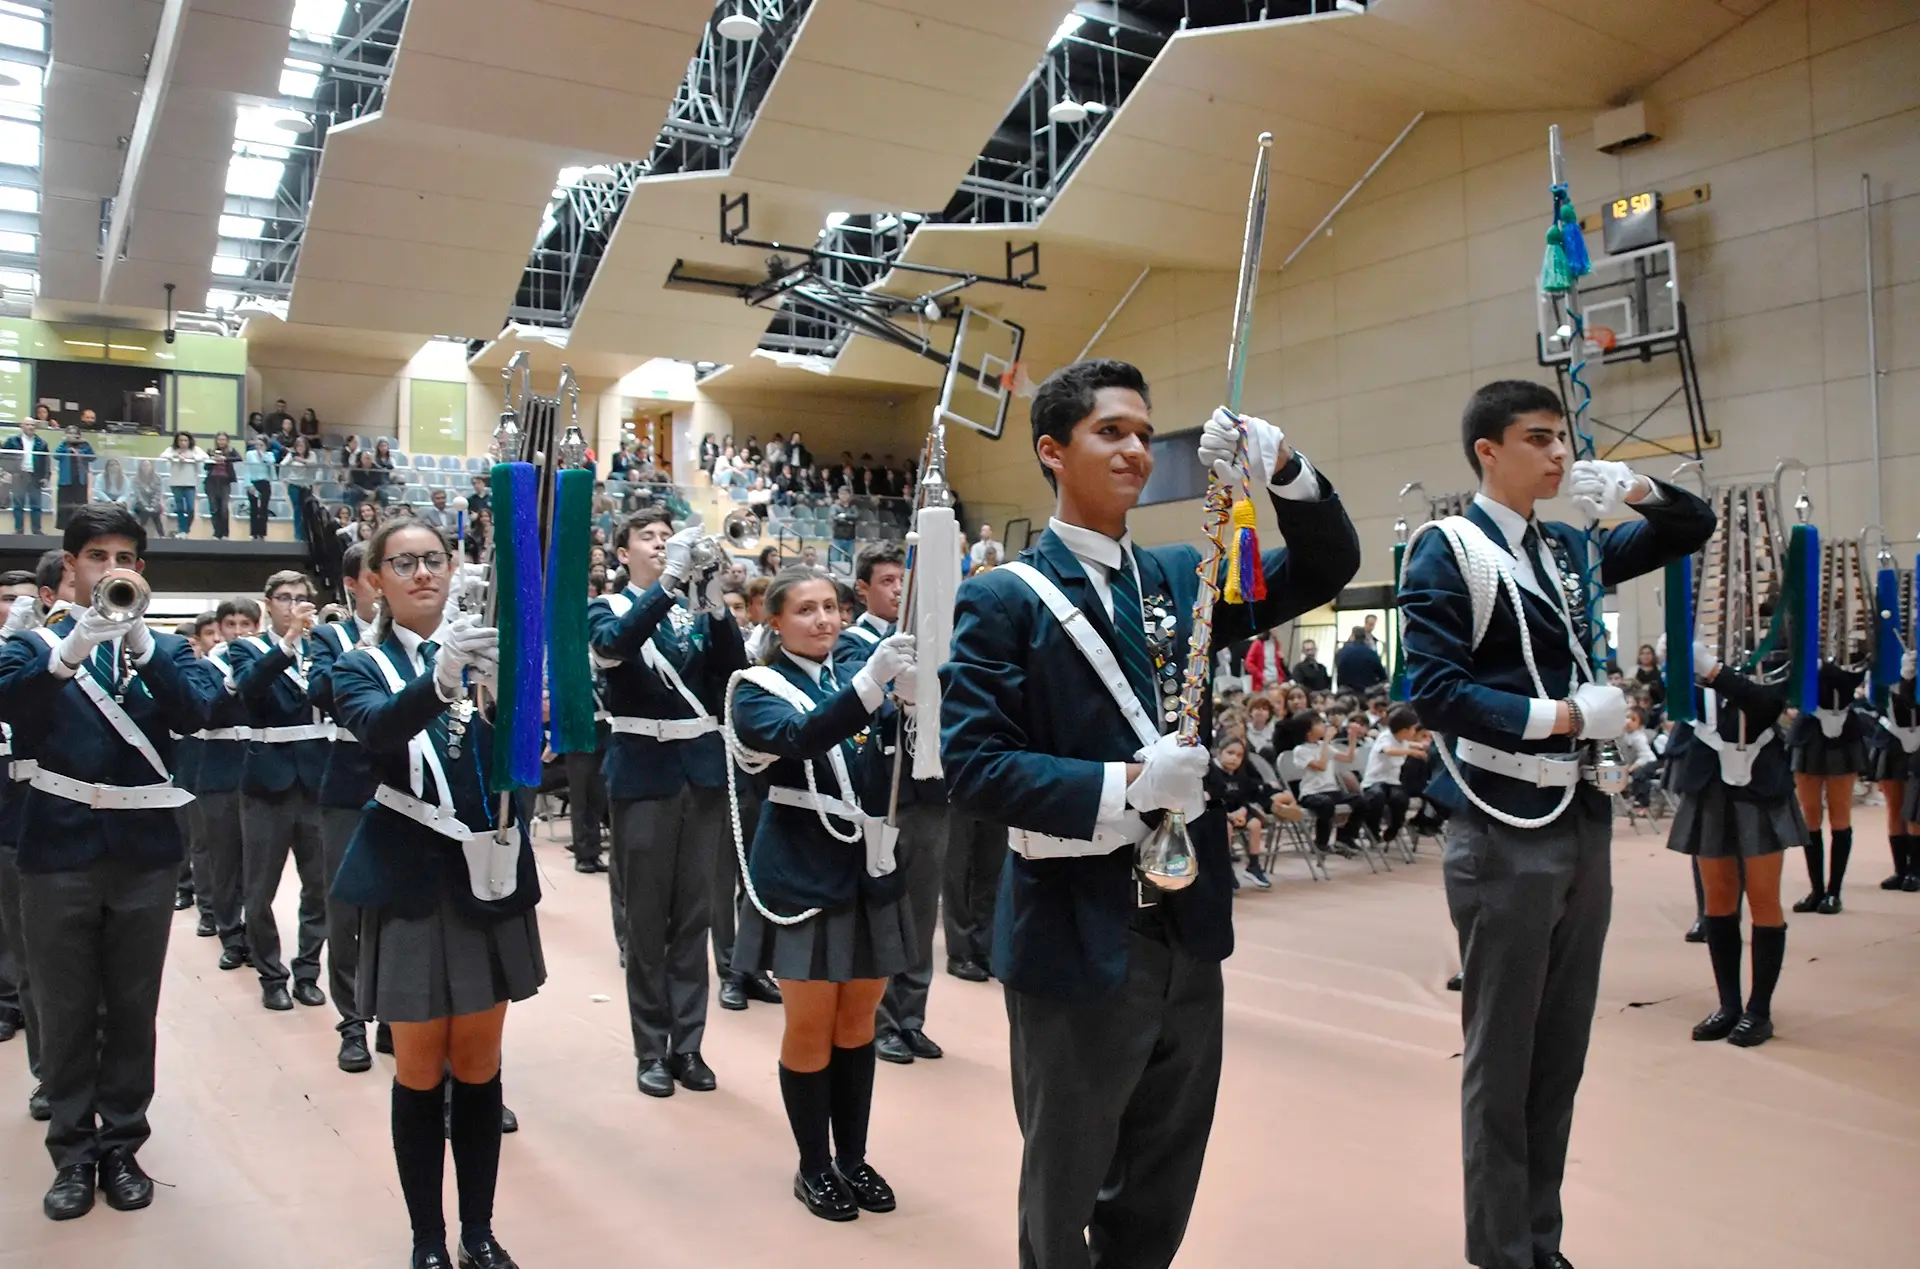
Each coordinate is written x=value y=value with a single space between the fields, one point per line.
x=922 y=857
x=665 y=848
x=223 y=843
x=1531 y=908
x=272 y=826
x=196 y=871
x=337 y=825
x=976 y=854
x=96 y=943
x=16 y=981
x=586 y=802
x=729 y=895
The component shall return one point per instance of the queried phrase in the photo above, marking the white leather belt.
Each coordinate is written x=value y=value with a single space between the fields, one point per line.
x=110 y=797
x=1736 y=760
x=1832 y=722
x=288 y=735
x=807 y=800
x=224 y=733
x=1028 y=844
x=663 y=728
x=343 y=736
x=1909 y=737
x=440 y=819
x=22 y=769
x=1542 y=770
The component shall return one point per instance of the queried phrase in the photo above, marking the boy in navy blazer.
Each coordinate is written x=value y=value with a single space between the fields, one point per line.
x=1113 y=989
x=1511 y=696
x=96 y=699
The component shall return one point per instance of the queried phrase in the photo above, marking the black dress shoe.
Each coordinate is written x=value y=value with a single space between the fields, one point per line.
x=1829 y=905
x=893 y=1048
x=309 y=994
x=430 y=1258
x=825 y=1195
x=694 y=1074
x=1753 y=1029
x=71 y=1194
x=485 y=1254
x=1911 y=883
x=971 y=971
x=233 y=957
x=733 y=993
x=9 y=1026
x=1895 y=882
x=182 y=900
x=763 y=989
x=383 y=1039
x=125 y=1183
x=39 y=1105
x=1697 y=932
x=206 y=929
x=921 y=1046
x=1555 y=1261
x=509 y=1122
x=870 y=1190
x=354 y=1057
x=583 y=864
x=1808 y=904
x=655 y=1079
x=1453 y=984
x=1717 y=1025
x=274 y=996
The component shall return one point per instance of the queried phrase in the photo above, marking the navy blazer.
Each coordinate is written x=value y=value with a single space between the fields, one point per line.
x=851 y=651
x=395 y=863
x=1027 y=728
x=270 y=683
x=69 y=735
x=795 y=863
x=219 y=765
x=13 y=797
x=1835 y=688
x=1484 y=693
x=349 y=780
x=640 y=767
x=1746 y=710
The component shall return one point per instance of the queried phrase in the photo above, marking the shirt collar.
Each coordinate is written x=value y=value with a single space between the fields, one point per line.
x=411 y=641
x=874 y=623
x=1512 y=525
x=1090 y=546
x=810 y=668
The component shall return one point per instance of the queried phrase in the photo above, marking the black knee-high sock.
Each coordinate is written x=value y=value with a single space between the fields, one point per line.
x=1842 y=851
x=1817 y=863
x=476 y=1155
x=809 y=1099
x=1769 y=950
x=420 y=1154
x=1723 y=946
x=852 y=1071
x=1699 y=891
x=1910 y=856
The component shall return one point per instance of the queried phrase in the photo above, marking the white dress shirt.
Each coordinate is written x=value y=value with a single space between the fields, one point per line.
x=871 y=693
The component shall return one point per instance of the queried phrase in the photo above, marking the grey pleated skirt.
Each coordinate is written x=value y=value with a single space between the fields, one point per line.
x=447 y=963
x=1818 y=756
x=861 y=940
x=1886 y=760
x=1713 y=825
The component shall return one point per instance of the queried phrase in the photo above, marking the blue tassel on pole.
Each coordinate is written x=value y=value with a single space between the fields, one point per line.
x=1573 y=241
x=1679 y=628
x=1886 y=644
x=522 y=615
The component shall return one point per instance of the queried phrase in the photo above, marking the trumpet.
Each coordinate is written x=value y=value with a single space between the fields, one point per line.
x=122 y=595
x=739 y=531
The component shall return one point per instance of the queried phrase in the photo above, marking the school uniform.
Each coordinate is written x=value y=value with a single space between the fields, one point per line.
x=1894 y=757
x=976 y=856
x=346 y=786
x=1831 y=739
x=431 y=946
x=99 y=852
x=665 y=769
x=16 y=984
x=922 y=847
x=1733 y=778
x=1530 y=905
x=217 y=764
x=1383 y=798
x=1113 y=988
x=287 y=751
x=1322 y=792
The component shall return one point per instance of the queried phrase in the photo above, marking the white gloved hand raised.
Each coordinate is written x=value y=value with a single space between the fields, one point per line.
x=680 y=554
x=138 y=641
x=1603 y=711
x=1909 y=661
x=90 y=630
x=468 y=646
x=1172 y=778
x=466 y=591
x=1599 y=487
x=1704 y=662
x=892 y=657
x=1220 y=445
x=20 y=615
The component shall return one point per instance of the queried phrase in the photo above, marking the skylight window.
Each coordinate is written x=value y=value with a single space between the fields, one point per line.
x=318 y=20
x=17 y=198
x=218 y=300
x=229 y=267
x=20 y=29
x=18 y=243
x=300 y=79
x=242 y=226
x=28 y=90
x=249 y=177
x=19 y=143
x=20 y=280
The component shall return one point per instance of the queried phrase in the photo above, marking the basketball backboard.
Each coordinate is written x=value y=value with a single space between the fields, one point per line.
x=1627 y=301
x=982 y=372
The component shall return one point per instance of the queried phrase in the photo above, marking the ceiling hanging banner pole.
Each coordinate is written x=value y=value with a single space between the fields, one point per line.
x=1095 y=338
x=1348 y=196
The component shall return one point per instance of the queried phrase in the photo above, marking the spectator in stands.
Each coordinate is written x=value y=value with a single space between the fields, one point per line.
x=846 y=526
x=184 y=463
x=1308 y=672
x=1382 y=793
x=798 y=454
x=223 y=468
x=809 y=557
x=29 y=470
x=301 y=471
x=1650 y=675
x=750 y=455
x=258 y=469
x=350 y=452
x=343 y=520
x=275 y=418
x=365 y=482
x=148 y=500
x=283 y=439
x=113 y=485
x=1357 y=666
x=479 y=497
x=624 y=460
x=309 y=424
x=73 y=458
x=256 y=424
x=776 y=452
x=768 y=561
x=436 y=515
x=365 y=523
x=479 y=527
x=709 y=452
x=985 y=550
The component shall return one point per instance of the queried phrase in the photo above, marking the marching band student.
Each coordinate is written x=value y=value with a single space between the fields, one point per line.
x=18 y=591
x=439 y=959
x=1113 y=988
x=346 y=786
x=287 y=753
x=217 y=766
x=1828 y=745
x=1737 y=818
x=824 y=865
x=99 y=851
x=1497 y=663
x=1896 y=769
x=666 y=775
x=879 y=573
x=195 y=887
x=1321 y=789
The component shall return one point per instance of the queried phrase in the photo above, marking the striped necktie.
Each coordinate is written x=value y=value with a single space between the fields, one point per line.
x=1130 y=634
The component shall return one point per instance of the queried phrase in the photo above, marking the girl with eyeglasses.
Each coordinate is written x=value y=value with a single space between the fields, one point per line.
x=448 y=935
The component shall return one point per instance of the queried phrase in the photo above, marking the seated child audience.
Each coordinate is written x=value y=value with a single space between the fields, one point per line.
x=1636 y=750
x=1236 y=788
x=1383 y=796
x=1321 y=789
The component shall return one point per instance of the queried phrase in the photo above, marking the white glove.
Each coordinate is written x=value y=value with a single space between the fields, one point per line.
x=1599 y=487
x=1220 y=445
x=467 y=588
x=903 y=686
x=1909 y=662
x=20 y=615
x=139 y=641
x=892 y=657
x=305 y=618
x=1660 y=649
x=680 y=554
x=468 y=646
x=1603 y=711
x=1704 y=662
x=90 y=630
x=1172 y=778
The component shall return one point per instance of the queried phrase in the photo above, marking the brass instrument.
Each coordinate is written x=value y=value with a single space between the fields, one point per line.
x=1165 y=857
x=122 y=595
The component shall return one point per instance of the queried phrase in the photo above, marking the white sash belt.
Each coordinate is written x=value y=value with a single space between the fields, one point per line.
x=1736 y=761
x=662 y=728
x=493 y=859
x=1909 y=737
x=22 y=769
x=881 y=836
x=1832 y=722
x=110 y=797
x=440 y=819
x=288 y=735
x=1031 y=845
x=342 y=736
x=224 y=733
x=1545 y=771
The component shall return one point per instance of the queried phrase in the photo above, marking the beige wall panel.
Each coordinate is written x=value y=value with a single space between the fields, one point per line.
x=581 y=119
x=365 y=402
x=1157 y=232
x=1432 y=152
x=1762 y=191
x=1900 y=431
x=386 y=211
x=369 y=305
x=79 y=104
x=1896 y=246
x=142 y=283
x=114 y=35
x=1313 y=428
x=234 y=52
x=1401 y=352
x=351 y=258
x=1489 y=137
x=194 y=126
x=163 y=236
x=69 y=275
x=874 y=361
x=1502 y=328
x=926 y=115
x=669 y=336
x=1778 y=349
x=1841 y=22
x=1515 y=188
x=1297 y=72
x=1307 y=313
x=1776 y=37
x=1393 y=419
x=69 y=224
x=184 y=185
x=627 y=52
x=1181 y=176
x=858 y=171
x=1401 y=224
x=1738 y=276
x=976 y=62
x=383 y=153
x=1419 y=282
x=1889 y=149
x=1849 y=431
x=1671 y=29
x=1764 y=112
x=1499 y=260
x=1759 y=429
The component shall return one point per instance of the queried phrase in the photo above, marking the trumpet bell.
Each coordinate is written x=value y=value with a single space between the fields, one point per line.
x=121 y=595
x=741 y=528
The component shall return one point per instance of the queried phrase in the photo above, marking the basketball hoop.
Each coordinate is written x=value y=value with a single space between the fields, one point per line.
x=1600 y=339
x=1016 y=381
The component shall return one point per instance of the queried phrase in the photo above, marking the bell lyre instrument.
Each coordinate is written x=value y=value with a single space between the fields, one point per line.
x=1165 y=857
x=1742 y=573
x=932 y=566
x=1848 y=616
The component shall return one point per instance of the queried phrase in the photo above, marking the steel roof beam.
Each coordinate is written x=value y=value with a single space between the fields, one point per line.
x=166 y=47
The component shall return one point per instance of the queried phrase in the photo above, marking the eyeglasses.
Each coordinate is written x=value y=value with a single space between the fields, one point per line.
x=286 y=599
x=406 y=562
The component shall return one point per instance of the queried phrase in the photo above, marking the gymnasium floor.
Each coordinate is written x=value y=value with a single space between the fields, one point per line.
x=1335 y=1144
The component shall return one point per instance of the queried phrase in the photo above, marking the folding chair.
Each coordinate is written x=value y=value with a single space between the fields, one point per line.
x=1297 y=832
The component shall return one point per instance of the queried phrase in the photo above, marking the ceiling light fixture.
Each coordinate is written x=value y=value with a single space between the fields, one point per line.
x=295 y=124
x=1349 y=6
x=739 y=25
x=1096 y=107
x=1067 y=110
